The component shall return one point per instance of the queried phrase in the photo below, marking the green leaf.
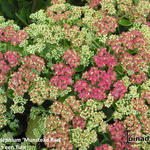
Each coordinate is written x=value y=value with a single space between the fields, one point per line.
x=62 y=99
x=42 y=4
x=77 y=77
x=130 y=72
x=119 y=69
x=26 y=4
x=21 y=18
x=33 y=124
x=135 y=2
x=7 y=9
x=23 y=14
x=132 y=52
x=124 y=22
x=79 y=68
x=35 y=71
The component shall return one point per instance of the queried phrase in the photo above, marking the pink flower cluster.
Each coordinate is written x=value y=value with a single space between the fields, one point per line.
x=20 y=80
x=57 y=16
x=144 y=121
x=103 y=58
x=61 y=82
x=13 y=60
x=17 y=84
x=94 y=3
x=131 y=40
x=63 y=110
x=62 y=69
x=92 y=75
x=119 y=90
x=106 y=79
x=100 y=79
x=132 y=48
x=87 y=91
x=72 y=58
x=59 y=126
x=138 y=78
x=79 y=122
x=61 y=140
x=118 y=134
x=34 y=62
x=58 y=130
x=28 y=74
x=62 y=76
x=9 y=34
x=130 y=62
x=104 y=147
x=103 y=78
x=105 y=25
x=4 y=67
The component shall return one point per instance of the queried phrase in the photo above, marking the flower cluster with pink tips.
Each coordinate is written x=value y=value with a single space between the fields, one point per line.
x=104 y=58
x=105 y=25
x=20 y=80
x=9 y=34
x=100 y=79
x=72 y=58
x=13 y=60
x=64 y=72
x=118 y=134
x=119 y=90
x=62 y=76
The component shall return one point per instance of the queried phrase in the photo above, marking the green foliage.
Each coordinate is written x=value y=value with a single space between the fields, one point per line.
x=34 y=112
x=19 y=10
x=119 y=70
x=12 y=123
x=135 y=2
x=124 y=22
x=32 y=129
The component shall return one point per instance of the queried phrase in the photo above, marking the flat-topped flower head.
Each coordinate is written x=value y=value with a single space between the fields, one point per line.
x=72 y=58
x=103 y=58
x=12 y=58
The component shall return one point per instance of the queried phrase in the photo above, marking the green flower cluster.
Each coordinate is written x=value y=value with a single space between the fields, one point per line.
x=124 y=106
x=18 y=106
x=83 y=139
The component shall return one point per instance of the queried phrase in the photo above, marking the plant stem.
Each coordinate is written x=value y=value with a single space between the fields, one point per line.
x=33 y=6
x=109 y=119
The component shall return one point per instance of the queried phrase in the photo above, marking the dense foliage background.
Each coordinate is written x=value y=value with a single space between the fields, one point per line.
x=20 y=10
